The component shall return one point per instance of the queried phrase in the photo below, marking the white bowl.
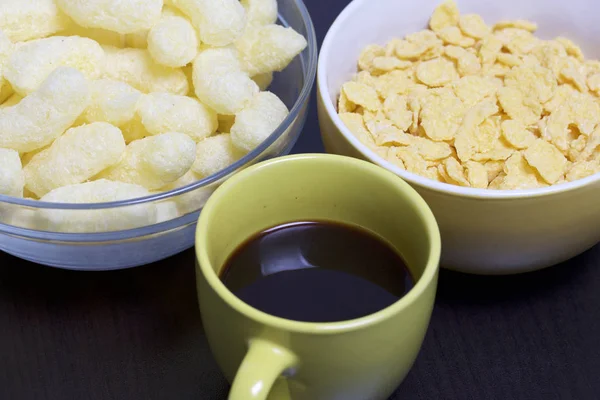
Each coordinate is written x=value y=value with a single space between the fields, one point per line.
x=483 y=231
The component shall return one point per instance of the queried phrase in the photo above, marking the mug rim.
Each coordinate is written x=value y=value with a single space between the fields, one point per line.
x=427 y=278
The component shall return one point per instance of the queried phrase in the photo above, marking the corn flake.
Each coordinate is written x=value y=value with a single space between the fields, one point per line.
x=494 y=168
x=496 y=70
x=467 y=63
x=443 y=175
x=411 y=160
x=434 y=174
x=518 y=24
x=516 y=134
x=534 y=81
x=510 y=60
x=576 y=148
x=366 y=78
x=561 y=97
x=547 y=160
x=455 y=171
x=517 y=41
x=571 y=48
x=465 y=144
x=500 y=151
x=436 y=72
x=415 y=103
x=424 y=36
x=390 y=48
x=497 y=182
x=377 y=123
x=473 y=25
x=393 y=137
x=396 y=109
x=551 y=55
x=430 y=150
x=489 y=50
x=453 y=35
x=365 y=60
x=571 y=74
x=555 y=129
x=571 y=107
x=477 y=174
x=524 y=109
x=410 y=50
x=592 y=146
x=585 y=112
x=432 y=53
x=362 y=95
x=519 y=175
x=345 y=105
x=394 y=82
x=472 y=89
x=593 y=82
x=488 y=134
x=441 y=116
x=387 y=64
x=591 y=67
x=479 y=113
x=446 y=14
x=355 y=123
x=529 y=60
x=582 y=169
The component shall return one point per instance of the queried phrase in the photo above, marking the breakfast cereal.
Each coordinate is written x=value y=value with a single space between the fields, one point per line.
x=23 y=20
x=219 y=23
x=98 y=191
x=137 y=68
x=173 y=42
x=268 y=48
x=122 y=16
x=110 y=100
x=446 y=14
x=478 y=105
x=76 y=156
x=220 y=81
x=12 y=179
x=154 y=162
x=257 y=121
x=213 y=154
x=31 y=63
x=45 y=114
x=12 y=100
x=263 y=80
x=260 y=12
x=473 y=25
x=139 y=39
x=166 y=112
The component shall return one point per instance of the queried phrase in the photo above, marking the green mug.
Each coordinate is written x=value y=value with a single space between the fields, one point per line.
x=266 y=357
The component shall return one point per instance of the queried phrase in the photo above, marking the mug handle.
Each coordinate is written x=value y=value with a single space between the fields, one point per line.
x=261 y=366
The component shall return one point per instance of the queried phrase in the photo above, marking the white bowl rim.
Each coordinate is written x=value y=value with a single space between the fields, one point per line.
x=354 y=7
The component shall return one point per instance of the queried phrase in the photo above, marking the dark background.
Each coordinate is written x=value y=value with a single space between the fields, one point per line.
x=136 y=334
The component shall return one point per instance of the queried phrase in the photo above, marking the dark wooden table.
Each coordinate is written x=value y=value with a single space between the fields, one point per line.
x=136 y=334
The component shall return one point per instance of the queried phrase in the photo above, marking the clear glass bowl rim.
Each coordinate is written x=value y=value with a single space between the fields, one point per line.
x=309 y=78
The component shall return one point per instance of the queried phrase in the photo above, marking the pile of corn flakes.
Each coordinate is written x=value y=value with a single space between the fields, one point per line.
x=478 y=106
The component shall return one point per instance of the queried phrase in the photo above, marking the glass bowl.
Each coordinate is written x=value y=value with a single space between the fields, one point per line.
x=116 y=235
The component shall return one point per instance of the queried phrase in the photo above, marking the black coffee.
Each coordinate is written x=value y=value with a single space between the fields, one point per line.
x=317 y=272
